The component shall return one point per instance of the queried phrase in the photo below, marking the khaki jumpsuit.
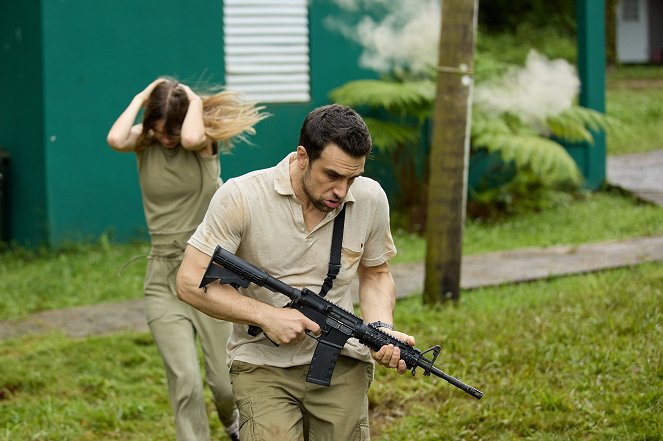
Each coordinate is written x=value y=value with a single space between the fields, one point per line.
x=177 y=186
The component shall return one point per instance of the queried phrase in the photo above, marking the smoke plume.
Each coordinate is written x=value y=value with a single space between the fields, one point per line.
x=404 y=38
x=407 y=37
x=540 y=89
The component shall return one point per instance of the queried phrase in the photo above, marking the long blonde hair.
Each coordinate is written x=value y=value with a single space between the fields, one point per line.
x=227 y=116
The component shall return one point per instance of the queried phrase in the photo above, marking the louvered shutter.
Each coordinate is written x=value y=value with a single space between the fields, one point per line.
x=267 y=49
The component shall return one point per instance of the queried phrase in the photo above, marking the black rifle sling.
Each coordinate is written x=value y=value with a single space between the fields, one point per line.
x=334 y=254
x=334 y=264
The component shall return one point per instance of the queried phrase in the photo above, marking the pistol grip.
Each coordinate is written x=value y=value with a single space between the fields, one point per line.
x=257 y=330
x=254 y=330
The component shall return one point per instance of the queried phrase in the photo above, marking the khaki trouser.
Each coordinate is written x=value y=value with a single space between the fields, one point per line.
x=277 y=404
x=175 y=325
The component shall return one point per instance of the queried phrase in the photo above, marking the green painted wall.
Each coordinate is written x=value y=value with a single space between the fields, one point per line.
x=22 y=118
x=96 y=57
x=73 y=67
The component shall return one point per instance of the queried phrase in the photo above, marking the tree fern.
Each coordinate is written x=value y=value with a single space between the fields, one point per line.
x=576 y=124
x=397 y=107
x=547 y=159
x=415 y=98
x=388 y=136
x=569 y=129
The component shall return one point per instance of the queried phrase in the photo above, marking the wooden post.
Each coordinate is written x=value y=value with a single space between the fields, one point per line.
x=449 y=153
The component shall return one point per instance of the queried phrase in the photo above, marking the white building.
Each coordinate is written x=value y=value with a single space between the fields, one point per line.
x=639 y=31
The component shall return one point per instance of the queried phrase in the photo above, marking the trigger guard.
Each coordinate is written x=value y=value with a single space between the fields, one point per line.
x=312 y=335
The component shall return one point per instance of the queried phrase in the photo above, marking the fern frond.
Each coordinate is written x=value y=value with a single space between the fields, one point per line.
x=393 y=96
x=569 y=129
x=487 y=123
x=545 y=158
x=577 y=123
x=387 y=136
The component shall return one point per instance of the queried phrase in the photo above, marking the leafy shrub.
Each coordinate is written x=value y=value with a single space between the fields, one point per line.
x=520 y=128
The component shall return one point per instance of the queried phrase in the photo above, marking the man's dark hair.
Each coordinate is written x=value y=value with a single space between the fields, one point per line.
x=335 y=124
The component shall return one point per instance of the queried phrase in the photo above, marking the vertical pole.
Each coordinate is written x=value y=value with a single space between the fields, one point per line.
x=447 y=181
x=590 y=17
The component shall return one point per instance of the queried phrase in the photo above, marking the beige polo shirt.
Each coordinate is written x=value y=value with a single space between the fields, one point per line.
x=258 y=217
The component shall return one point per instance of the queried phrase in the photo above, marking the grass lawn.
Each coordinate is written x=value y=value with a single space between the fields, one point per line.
x=575 y=358
x=83 y=274
x=641 y=111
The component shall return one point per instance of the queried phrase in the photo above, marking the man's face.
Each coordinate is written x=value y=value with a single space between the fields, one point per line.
x=327 y=180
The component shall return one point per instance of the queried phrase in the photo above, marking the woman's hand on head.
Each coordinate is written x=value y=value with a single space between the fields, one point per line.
x=144 y=95
x=189 y=93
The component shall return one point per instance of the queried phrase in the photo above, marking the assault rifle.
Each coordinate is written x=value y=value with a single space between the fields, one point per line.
x=336 y=324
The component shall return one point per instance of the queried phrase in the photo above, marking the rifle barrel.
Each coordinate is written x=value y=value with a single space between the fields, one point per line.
x=476 y=393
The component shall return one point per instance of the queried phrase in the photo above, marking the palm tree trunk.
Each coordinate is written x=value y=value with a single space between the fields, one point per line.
x=450 y=151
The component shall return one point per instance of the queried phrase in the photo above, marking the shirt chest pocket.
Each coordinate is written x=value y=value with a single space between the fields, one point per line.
x=350 y=257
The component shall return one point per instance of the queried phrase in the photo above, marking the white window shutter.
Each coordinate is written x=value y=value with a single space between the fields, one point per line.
x=267 y=49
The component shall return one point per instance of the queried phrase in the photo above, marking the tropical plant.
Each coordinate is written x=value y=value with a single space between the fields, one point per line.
x=539 y=151
x=396 y=114
x=532 y=161
x=532 y=153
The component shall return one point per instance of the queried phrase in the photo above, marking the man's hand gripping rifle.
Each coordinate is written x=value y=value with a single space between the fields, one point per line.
x=336 y=324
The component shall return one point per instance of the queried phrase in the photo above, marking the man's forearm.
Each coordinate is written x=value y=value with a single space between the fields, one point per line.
x=219 y=301
x=377 y=293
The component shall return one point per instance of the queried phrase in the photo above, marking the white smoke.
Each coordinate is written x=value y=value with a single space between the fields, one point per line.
x=408 y=35
x=405 y=38
x=540 y=89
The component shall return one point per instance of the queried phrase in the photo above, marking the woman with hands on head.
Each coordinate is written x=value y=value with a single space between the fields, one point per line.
x=177 y=146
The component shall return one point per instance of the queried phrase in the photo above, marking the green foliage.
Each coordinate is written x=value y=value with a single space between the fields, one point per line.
x=504 y=16
x=397 y=110
x=576 y=124
x=513 y=46
x=528 y=150
x=398 y=106
x=488 y=66
x=396 y=97
x=523 y=193
x=634 y=98
x=537 y=153
x=389 y=136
